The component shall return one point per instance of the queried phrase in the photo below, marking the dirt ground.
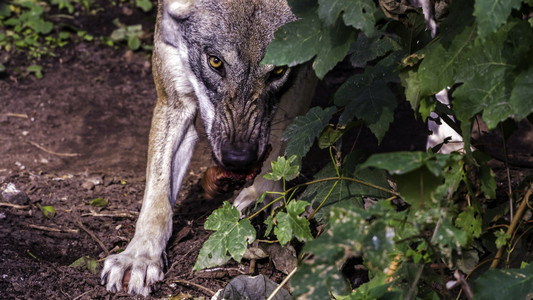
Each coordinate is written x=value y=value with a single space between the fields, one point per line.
x=81 y=133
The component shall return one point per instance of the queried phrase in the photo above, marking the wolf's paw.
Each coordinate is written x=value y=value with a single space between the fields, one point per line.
x=134 y=271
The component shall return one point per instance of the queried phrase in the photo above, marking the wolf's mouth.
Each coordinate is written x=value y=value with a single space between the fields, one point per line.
x=221 y=182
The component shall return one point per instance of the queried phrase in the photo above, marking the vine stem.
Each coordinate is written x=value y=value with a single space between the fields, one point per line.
x=339 y=178
x=514 y=223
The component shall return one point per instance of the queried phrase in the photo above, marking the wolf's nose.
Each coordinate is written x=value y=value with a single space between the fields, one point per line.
x=239 y=156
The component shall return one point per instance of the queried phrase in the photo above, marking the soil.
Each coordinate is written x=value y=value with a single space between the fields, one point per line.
x=81 y=133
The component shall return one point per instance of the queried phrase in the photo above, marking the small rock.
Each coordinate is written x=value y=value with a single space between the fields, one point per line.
x=13 y=195
x=91 y=182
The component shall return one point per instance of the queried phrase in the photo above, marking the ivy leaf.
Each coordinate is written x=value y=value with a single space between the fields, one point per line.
x=231 y=236
x=498 y=284
x=291 y=223
x=491 y=14
x=301 y=133
x=283 y=168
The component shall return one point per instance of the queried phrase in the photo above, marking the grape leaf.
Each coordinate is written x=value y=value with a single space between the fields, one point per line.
x=231 y=236
x=356 y=13
x=300 y=41
x=291 y=223
x=437 y=70
x=283 y=168
x=521 y=100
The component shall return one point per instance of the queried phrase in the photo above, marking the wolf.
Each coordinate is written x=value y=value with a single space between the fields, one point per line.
x=206 y=62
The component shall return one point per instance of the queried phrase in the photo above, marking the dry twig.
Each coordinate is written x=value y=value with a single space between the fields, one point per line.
x=52 y=229
x=80 y=224
x=16 y=206
x=203 y=288
x=514 y=223
x=53 y=152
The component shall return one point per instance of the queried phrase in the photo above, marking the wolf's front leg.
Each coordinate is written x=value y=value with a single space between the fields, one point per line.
x=172 y=139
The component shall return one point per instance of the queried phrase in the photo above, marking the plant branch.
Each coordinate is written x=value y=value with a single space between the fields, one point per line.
x=514 y=223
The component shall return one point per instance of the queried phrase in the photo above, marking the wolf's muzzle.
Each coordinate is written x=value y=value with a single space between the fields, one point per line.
x=239 y=156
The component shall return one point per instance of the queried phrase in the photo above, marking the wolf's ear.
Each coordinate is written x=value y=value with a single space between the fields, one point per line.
x=178 y=9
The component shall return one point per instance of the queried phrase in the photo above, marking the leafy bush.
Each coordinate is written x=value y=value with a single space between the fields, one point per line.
x=27 y=27
x=453 y=220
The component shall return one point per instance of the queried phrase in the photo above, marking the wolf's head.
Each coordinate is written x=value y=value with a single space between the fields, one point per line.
x=220 y=44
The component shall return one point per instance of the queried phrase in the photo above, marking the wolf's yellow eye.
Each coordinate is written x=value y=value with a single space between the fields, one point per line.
x=278 y=71
x=215 y=62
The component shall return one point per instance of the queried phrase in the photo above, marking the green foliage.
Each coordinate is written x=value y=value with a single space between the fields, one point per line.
x=446 y=210
x=232 y=236
x=87 y=263
x=291 y=224
x=27 y=28
x=47 y=210
x=505 y=284
x=99 y=202
x=283 y=168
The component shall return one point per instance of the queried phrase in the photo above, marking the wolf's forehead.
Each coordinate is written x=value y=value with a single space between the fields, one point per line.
x=246 y=26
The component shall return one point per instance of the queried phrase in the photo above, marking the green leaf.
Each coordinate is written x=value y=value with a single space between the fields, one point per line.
x=350 y=233
x=437 y=70
x=368 y=100
x=300 y=41
x=521 y=100
x=411 y=83
x=86 y=262
x=291 y=223
x=145 y=5
x=356 y=13
x=451 y=236
x=2 y=67
x=488 y=70
x=366 y=49
x=301 y=133
x=232 y=236
x=133 y=42
x=403 y=162
x=36 y=69
x=491 y=14
x=501 y=238
x=367 y=96
x=48 y=211
x=99 y=202
x=496 y=284
x=283 y=168
x=470 y=221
